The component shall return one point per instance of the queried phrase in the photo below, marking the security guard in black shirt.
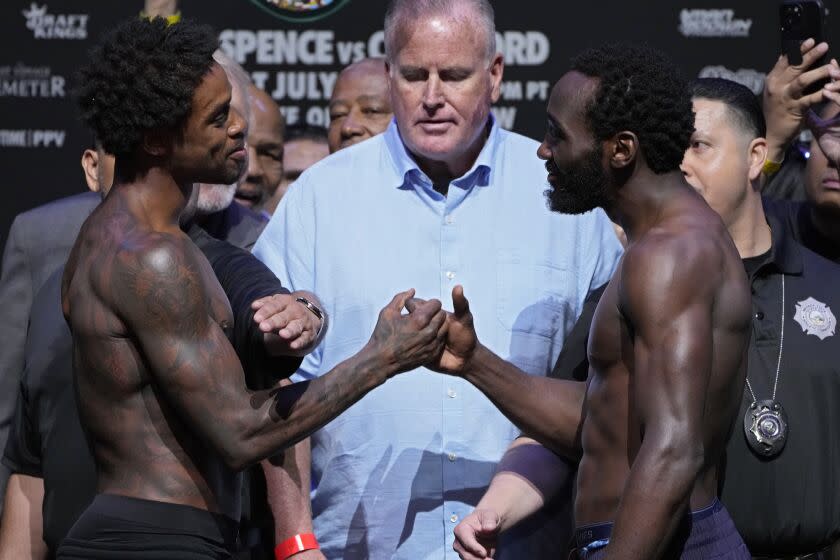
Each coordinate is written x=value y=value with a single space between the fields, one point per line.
x=782 y=478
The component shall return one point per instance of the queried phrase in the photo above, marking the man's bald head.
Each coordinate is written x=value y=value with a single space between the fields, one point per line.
x=360 y=106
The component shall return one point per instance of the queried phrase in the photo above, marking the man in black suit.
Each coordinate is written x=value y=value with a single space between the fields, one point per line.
x=38 y=243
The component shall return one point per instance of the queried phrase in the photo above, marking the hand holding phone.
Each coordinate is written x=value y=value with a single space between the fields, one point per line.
x=800 y=20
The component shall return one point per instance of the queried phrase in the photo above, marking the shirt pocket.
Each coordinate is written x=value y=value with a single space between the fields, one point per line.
x=531 y=294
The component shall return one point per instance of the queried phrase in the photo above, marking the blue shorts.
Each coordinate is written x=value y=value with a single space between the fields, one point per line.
x=706 y=534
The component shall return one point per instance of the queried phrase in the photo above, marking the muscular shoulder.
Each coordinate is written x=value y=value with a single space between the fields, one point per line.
x=679 y=267
x=153 y=275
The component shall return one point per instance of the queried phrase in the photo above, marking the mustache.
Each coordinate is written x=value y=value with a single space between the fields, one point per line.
x=552 y=168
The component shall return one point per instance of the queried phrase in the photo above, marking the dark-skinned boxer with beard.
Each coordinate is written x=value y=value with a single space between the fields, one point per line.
x=668 y=339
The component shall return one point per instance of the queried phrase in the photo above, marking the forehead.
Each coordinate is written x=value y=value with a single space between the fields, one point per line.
x=361 y=79
x=441 y=40
x=214 y=89
x=709 y=114
x=265 y=117
x=569 y=98
x=300 y=154
x=713 y=118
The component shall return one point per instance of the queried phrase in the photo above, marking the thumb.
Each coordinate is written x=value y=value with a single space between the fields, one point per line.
x=399 y=300
x=459 y=302
x=489 y=520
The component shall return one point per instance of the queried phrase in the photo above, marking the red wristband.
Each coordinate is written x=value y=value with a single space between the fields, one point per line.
x=293 y=545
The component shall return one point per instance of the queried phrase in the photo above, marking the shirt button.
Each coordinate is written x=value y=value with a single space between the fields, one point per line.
x=451 y=393
x=452 y=457
x=449 y=220
x=450 y=275
x=453 y=518
x=759 y=315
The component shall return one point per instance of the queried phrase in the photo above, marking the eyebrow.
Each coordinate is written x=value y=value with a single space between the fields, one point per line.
x=216 y=108
x=371 y=98
x=554 y=123
x=268 y=145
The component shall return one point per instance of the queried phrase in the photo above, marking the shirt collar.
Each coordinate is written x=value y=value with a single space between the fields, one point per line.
x=785 y=254
x=407 y=169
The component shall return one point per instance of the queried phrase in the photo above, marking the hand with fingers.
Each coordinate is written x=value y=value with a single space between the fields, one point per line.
x=786 y=102
x=461 y=340
x=290 y=326
x=407 y=341
x=476 y=535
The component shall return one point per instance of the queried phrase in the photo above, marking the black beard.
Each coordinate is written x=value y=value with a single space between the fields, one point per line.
x=580 y=187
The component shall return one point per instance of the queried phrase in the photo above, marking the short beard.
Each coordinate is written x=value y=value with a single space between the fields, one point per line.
x=580 y=187
x=213 y=198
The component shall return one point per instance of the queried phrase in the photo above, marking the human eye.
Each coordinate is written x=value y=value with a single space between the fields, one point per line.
x=455 y=74
x=413 y=74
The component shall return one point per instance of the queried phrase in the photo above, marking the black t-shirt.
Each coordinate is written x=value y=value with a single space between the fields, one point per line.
x=573 y=361
x=791 y=504
x=46 y=438
x=752 y=264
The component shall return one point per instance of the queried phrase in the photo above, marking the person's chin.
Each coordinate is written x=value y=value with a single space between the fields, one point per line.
x=560 y=202
x=436 y=147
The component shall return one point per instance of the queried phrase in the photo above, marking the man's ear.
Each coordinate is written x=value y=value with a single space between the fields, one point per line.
x=497 y=70
x=622 y=149
x=90 y=166
x=756 y=154
x=156 y=143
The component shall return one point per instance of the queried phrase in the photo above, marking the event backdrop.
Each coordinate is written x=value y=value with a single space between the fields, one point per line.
x=295 y=53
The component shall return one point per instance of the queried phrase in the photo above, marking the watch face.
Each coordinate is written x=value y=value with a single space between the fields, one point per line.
x=766 y=428
x=300 y=10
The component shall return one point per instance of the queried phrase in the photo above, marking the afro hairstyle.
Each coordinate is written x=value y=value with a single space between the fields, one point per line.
x=141 y=76
x=641 y=91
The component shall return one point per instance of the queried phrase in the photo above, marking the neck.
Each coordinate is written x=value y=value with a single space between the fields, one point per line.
x=153 y=196
x=749 y=229
x=826 y=222
x=638 y=204
x=444 y=171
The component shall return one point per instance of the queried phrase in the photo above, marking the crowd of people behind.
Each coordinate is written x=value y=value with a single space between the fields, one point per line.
x=416 y=334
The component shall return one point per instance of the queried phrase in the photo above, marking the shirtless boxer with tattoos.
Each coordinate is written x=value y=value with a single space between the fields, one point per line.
x=160 y=390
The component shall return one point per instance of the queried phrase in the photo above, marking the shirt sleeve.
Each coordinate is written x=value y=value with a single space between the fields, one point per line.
x=22 y=454
x=245 y=279
x=287 y=247
x=16 y=302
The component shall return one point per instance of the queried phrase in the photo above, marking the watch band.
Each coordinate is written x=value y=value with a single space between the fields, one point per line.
x=315 y=311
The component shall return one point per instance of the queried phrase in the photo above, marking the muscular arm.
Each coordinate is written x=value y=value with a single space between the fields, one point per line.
x=158 y=291
x=671 y=316
x=549 y=410
x=21 y=531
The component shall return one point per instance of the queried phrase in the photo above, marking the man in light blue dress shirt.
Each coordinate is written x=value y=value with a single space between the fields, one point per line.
x=443 y=197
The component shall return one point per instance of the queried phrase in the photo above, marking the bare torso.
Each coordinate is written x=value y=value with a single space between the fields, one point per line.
x=143 y=448
x=612 y=432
